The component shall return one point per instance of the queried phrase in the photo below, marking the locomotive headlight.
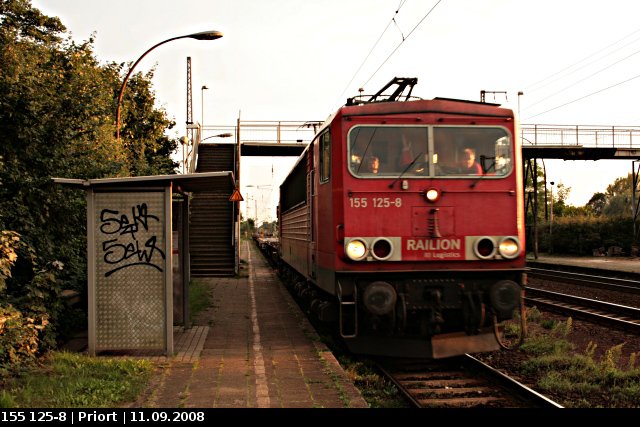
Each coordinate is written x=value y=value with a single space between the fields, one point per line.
x=356 y=249
x=382 y=249
x=485 y=247
x=509 y=247
x=432 y=194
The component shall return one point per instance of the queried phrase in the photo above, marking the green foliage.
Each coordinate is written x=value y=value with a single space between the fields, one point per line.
x=376 y=389
x=57 y=108
x=572 y=378
x=18 y=338
x=28 y=301
x=199 y=298
x=9 y=242
x=580 y=235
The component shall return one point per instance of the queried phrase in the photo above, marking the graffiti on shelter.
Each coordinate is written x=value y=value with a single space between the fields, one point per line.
x=129 y=241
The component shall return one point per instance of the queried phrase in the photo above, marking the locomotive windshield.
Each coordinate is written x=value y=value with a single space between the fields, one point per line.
x=429 y=151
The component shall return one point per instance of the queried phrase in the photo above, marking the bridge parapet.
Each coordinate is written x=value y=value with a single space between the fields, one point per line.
x=270 y=132
x=580 y=135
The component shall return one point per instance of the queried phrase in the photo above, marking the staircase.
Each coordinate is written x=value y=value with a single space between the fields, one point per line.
x=211 y=224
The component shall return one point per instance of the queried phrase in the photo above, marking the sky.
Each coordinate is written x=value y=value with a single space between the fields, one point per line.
x=576 y=62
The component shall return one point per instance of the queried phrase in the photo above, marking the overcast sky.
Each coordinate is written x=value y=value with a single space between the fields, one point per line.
x=576 y=61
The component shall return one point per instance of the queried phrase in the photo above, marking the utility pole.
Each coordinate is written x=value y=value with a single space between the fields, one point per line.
x=189 y=108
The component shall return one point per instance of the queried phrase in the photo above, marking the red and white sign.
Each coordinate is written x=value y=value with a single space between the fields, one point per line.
x=440 y=249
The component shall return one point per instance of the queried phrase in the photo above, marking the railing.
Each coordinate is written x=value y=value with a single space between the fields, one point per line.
x=268 y=132
x=582 y=135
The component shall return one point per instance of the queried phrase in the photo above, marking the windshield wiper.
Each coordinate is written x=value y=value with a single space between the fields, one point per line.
x=405 y=170
x=485 y=169
x=364 y=154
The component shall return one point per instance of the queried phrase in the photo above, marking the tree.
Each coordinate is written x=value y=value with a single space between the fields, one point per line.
x=57 y=105
x=596 y=204
x=618 y=197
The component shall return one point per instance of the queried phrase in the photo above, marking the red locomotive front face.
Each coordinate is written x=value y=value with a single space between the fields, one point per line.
x=441 y=195
x=413 y=228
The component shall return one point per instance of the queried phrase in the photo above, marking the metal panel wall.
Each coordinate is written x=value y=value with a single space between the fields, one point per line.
x=131 y=272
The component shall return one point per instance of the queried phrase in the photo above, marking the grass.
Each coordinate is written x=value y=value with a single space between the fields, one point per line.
x=69 y=380
x=578 y=380
x=199 y=298
x=377 y=390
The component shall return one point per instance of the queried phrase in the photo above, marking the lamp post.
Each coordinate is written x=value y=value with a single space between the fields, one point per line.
x=202 y=96
x=204 y=35
x=519 y=95
x=551 y=221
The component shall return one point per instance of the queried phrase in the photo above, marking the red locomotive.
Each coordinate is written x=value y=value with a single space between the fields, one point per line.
x=403 y=221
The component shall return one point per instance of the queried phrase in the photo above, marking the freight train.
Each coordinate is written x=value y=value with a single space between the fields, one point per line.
x=402 y=222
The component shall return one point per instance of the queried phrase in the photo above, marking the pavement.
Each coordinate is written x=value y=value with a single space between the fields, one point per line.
x=616 y=263
x=253 y=348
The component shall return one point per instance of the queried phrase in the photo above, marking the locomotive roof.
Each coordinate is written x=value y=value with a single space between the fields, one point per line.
x=436 y=105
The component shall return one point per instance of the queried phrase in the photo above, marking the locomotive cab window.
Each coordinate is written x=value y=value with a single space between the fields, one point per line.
x=463 y=151
x=454 y=152
x=384 y=151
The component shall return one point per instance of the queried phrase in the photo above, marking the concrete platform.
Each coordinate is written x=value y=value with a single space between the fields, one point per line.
x=253 y=348
x=627 y=264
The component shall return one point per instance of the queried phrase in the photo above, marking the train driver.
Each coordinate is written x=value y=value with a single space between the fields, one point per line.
x=371 y=163
x=471 y=167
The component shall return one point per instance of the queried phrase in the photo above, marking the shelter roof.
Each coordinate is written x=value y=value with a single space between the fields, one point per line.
x=182 y=183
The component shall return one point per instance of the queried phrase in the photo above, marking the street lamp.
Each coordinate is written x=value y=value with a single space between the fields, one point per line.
x=202 y=96
x=204 y=35
x=220 y=135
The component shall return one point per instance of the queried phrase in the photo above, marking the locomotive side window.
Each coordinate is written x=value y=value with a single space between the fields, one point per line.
x=463 y=151
x=383 y=151
x=325 y=157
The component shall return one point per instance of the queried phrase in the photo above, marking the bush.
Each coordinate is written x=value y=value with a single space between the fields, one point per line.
x=18 y=338
x=26 y=305
x=579 y=235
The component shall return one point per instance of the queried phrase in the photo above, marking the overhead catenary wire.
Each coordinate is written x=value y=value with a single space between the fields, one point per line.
x=393 y=20
x=532 y=87
x=550 y=79
x=557 y=92
x=585 y=96
x=403 y=40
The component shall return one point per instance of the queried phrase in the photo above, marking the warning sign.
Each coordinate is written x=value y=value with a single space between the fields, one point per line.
x=236 y=196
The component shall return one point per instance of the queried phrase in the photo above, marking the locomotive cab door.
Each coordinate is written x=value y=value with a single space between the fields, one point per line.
x=311 y=238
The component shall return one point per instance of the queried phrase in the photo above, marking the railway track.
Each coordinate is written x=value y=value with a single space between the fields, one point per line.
x=614 y=315
x=460 y=382
x=596 y=279
x=596 y=310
